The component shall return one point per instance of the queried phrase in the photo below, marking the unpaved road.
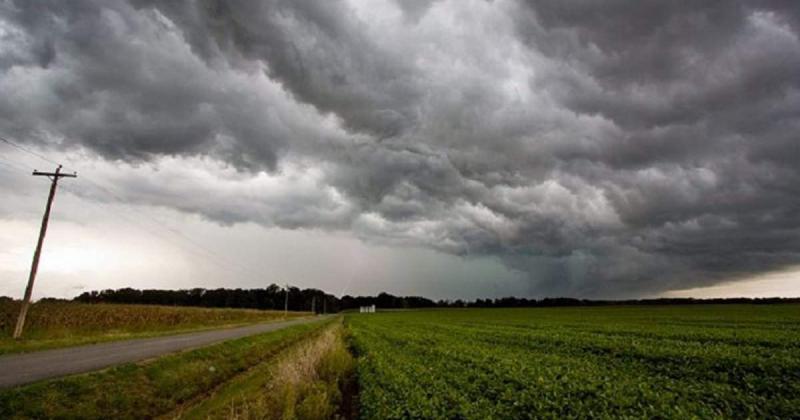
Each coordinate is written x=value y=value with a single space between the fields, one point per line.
x=19 y=369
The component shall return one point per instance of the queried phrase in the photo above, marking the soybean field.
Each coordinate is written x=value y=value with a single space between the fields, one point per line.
x=706 y=361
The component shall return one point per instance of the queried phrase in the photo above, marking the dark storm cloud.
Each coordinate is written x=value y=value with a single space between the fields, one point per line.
x=315 y=48
x=124 y=83
x=604 y=148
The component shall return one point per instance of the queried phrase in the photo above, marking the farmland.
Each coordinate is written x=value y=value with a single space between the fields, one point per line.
x=59 y=324
x=672 y=361
x=702 y=361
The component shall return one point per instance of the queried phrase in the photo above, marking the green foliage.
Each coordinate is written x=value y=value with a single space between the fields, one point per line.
x=710 y=361
x=58 y=324
x=149 y=389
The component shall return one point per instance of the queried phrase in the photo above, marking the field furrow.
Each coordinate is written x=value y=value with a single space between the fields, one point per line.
x=606 y=362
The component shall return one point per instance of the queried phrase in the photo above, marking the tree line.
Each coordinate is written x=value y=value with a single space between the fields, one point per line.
x=274 y=297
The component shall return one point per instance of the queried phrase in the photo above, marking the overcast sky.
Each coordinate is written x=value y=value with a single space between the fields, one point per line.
x=448 y=148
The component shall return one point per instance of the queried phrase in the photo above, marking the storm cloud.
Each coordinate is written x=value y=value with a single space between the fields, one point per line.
x=602 y=148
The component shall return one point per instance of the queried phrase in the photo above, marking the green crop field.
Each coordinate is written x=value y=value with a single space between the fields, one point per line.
x=709 y=361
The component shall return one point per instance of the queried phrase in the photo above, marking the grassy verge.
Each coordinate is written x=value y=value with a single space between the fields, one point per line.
x=149 y=389
x=312 y=380
x=63 y=324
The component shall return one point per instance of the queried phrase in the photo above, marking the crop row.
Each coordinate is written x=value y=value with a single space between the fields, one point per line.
x=715 y=361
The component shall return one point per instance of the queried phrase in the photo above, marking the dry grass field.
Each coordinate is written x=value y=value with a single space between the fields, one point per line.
x=58 y=324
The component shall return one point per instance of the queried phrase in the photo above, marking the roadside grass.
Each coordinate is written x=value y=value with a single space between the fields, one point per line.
x=63 y=324
x=153 y=388
x=313 y=380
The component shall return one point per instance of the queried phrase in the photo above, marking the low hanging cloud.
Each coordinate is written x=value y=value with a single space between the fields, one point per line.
x=605 y=149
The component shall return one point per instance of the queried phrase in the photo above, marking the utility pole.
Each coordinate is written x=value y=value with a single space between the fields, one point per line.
x=314 y=305
x=26 y=301
x=286 y=302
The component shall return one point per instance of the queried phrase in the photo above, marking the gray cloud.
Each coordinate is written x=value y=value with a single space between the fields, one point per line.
x=603 y=149
x=315 y=48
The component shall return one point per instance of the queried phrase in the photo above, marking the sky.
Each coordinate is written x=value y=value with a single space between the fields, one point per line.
x=446 y=148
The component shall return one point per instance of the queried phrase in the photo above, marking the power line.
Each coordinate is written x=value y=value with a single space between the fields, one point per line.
x=12 y=164
x=153 y=219
x=173 y=230
x=197 y=245
x=205 y=252
x=31 y=152
x=99 y=205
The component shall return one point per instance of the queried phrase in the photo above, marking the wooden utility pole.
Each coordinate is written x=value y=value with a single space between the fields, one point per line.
x=26 y=301
x=286 y=302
